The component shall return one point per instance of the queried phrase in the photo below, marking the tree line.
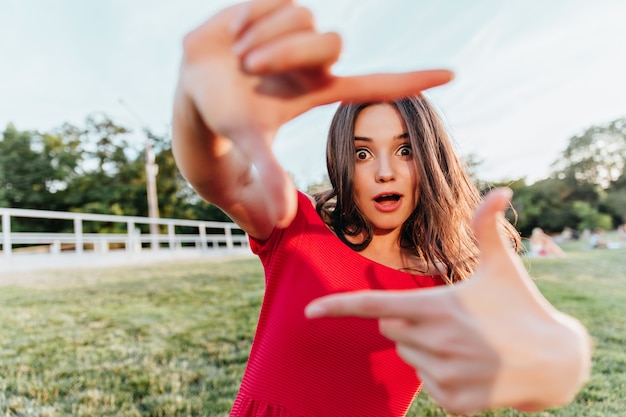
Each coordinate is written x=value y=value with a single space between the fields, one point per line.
x=586 y=188
x=95 y=169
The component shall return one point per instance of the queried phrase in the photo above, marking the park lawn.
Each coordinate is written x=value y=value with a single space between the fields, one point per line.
x=173 y=339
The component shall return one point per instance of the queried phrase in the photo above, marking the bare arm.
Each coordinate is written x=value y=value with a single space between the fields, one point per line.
x=219 y=171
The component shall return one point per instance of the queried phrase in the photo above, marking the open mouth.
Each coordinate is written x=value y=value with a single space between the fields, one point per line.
x=387 y=198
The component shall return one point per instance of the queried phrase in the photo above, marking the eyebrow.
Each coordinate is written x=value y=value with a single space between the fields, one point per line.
x=401 y=136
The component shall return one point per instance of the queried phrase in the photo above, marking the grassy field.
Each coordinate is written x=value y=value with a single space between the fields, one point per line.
x=173 y=339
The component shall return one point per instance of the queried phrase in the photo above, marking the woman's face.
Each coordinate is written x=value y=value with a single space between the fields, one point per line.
x=385 y=174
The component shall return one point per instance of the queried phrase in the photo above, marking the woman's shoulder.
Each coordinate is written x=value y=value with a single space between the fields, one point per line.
x=307 y=209
x=308 y=197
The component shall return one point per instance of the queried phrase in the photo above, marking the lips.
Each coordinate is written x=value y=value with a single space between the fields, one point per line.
x=387 y=202
x=387 y=198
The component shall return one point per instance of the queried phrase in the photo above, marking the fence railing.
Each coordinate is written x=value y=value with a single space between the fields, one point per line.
x=173 y=233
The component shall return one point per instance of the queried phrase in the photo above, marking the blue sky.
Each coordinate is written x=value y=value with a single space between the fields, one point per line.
x=529 y=74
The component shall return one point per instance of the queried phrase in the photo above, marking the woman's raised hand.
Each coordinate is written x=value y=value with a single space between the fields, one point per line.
x=256 y=65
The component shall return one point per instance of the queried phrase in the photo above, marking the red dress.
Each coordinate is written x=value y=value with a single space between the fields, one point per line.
x=327 y=367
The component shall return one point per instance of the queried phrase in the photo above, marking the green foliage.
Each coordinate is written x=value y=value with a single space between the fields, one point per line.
x=598 y=156
x=590 y=218
x=615 y=204
x=587 y=188
x=33 y=167
x=112 y=179
x=543 y=204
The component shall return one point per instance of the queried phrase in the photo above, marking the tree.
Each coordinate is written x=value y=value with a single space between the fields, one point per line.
x=596 y=157
x=615 y=201
x=543 y=204
x=110 y=178
x=590 y=218
x=177 y=199
x=34 y=166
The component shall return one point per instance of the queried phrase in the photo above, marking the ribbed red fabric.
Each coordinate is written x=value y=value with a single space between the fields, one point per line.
x=324 y=367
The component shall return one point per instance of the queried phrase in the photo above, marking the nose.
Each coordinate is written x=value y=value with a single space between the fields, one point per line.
x=384 y=170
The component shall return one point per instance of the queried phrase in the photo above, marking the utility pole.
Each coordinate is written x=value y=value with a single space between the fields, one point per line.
x=152 y=170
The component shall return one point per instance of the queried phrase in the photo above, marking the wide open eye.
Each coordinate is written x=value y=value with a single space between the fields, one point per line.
x=405 y=150
x=362 y=154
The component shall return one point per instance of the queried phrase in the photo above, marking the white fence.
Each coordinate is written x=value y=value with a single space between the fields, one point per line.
x=174 y=234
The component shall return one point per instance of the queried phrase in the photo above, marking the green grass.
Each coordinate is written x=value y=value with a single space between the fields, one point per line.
x=173 y=339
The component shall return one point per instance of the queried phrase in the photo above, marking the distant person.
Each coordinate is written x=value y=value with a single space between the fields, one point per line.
x=541 y=244
x=569 y=234
x=566 y=234
x=398 y=217
x=596 y=239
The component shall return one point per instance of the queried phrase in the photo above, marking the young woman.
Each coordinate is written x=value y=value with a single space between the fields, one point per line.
x=393 y=168
x=398 y=215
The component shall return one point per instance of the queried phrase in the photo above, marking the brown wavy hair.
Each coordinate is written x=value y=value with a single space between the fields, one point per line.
x=439 y=230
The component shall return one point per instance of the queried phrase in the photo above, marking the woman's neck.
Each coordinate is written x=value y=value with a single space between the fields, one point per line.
x=385 y=249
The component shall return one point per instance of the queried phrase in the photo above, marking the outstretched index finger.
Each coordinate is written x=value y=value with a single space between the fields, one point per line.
x=407 y=304
x=500 y=269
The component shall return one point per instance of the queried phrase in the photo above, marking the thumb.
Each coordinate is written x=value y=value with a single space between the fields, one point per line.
x=499 y=264
x=487 y=224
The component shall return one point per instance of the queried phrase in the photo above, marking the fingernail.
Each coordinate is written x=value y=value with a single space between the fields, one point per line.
x=241 y=45
x=238 y=48
x=253 y=62
x=238 y=23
